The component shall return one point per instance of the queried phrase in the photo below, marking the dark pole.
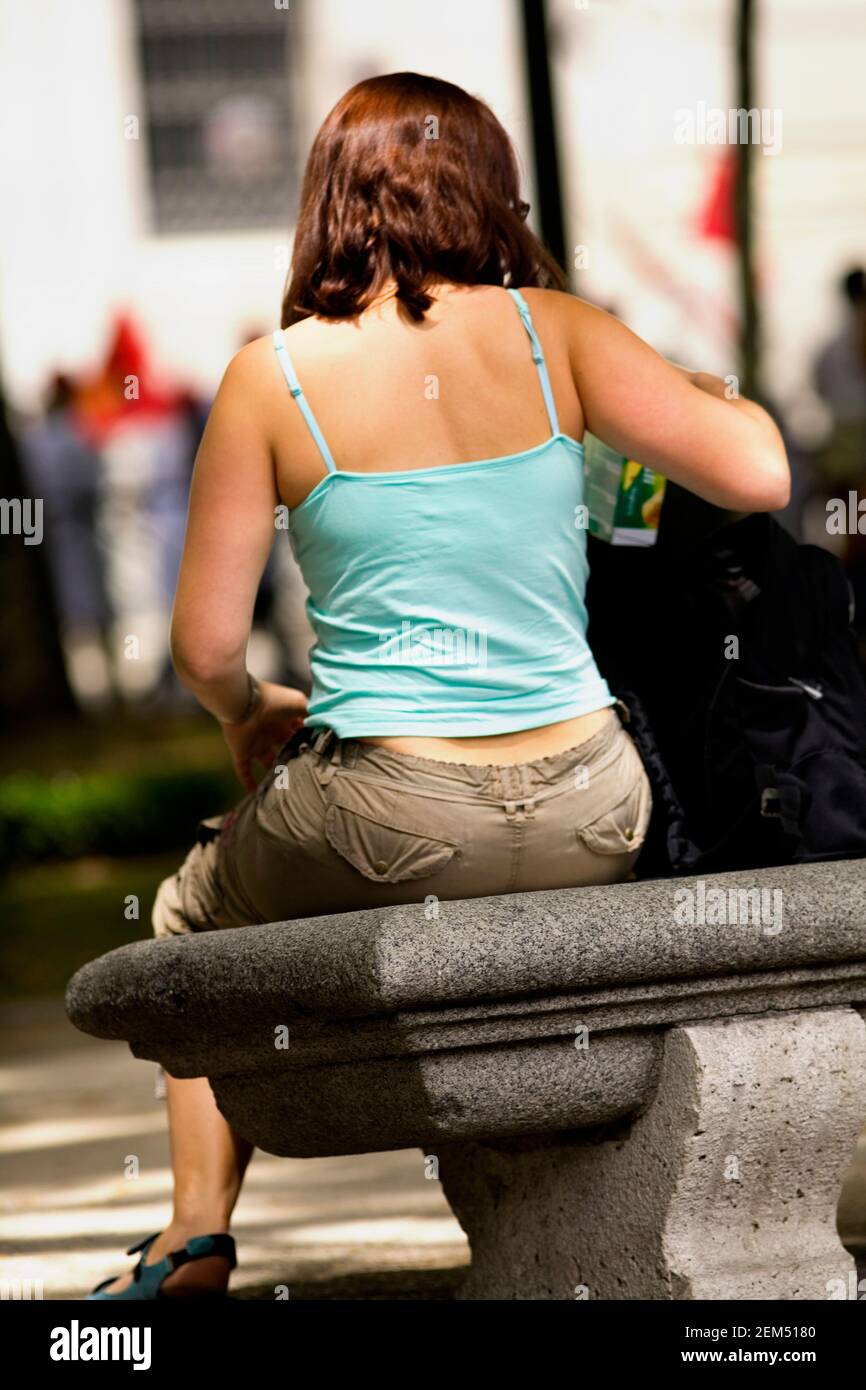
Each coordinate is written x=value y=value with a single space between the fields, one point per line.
x=750 y=331
x=31 y=655
x=544 y=135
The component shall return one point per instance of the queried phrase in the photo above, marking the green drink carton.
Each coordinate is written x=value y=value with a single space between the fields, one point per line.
x=623 y=498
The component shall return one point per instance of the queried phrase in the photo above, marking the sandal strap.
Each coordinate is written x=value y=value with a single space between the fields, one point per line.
x=202 y=1247
x=143 y=1244
x=105 y=1283
x=147 y=1280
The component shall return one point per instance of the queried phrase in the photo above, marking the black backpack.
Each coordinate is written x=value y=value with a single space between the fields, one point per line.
x=757 y=758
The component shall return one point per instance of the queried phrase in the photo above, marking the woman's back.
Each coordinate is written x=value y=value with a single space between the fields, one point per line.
x=390 y=395
x=446 y=596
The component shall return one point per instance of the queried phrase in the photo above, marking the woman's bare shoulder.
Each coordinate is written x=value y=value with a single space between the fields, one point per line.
x=256 y=366
x=579 y=325
x=562 y=306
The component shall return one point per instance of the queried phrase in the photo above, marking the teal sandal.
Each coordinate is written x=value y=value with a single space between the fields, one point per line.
x=147 y=1280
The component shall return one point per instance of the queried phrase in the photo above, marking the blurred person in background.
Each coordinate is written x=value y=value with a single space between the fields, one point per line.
x=419 y=423
x=840 y=379
x=65 y=470
x=144 y=434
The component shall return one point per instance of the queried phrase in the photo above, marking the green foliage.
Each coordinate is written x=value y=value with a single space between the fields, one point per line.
x=74 y=814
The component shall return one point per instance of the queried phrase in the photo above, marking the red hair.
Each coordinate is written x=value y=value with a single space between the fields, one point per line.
x=413 y=180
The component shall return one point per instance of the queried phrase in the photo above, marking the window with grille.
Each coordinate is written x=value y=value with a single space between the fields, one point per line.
x=221 y=137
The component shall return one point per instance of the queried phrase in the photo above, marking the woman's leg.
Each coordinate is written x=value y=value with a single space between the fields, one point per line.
x=208 y=1161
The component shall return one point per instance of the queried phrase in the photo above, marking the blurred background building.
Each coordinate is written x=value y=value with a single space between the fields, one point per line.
x=151 y=151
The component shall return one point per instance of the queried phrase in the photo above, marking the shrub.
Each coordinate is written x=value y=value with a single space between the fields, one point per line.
x=70 y=815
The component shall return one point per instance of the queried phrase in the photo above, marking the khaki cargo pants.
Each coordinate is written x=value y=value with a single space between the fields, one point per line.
x=340 y=824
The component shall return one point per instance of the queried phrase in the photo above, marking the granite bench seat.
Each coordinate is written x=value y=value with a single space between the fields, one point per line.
x=621 y=1102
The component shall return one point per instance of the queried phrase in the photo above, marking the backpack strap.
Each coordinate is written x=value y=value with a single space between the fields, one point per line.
x=297 y=391
x=538 y=359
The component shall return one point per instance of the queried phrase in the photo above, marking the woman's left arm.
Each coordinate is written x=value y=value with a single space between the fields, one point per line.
x=230 y=531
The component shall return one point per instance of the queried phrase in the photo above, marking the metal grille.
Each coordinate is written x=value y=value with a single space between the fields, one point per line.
x=221 y=134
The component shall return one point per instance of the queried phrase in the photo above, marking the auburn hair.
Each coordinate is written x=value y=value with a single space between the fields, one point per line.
x=413 y=180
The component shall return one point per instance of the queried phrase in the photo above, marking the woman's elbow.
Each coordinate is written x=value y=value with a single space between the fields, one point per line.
x=770 y=490
x=782 y=494
x=200 y=662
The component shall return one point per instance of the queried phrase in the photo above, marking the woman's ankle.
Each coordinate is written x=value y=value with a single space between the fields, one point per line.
x=205 y=1222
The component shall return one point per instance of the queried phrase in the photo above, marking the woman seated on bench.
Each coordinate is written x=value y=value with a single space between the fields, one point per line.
x=418 y=419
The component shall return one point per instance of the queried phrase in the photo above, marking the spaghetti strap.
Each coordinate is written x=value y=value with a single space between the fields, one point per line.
x=538 y=359
x=297 y=391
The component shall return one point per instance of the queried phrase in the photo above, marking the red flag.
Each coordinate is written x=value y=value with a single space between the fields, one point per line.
x=717 y=219
x=124 y=386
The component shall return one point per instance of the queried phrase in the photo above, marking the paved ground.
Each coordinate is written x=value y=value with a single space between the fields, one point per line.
x=77 y=1115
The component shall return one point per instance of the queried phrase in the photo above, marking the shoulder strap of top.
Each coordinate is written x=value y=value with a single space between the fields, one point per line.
x=297 y=391
x=538 y=359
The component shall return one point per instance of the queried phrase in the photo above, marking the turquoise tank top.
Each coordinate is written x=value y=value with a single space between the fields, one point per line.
x=448 y=601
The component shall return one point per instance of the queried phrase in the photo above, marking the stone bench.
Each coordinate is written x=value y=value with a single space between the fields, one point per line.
x=622 y=1103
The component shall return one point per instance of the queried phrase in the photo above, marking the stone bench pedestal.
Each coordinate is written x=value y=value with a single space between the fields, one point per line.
x=623 y=1102
x=724 y=1188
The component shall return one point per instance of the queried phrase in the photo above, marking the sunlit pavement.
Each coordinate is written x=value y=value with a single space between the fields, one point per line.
x=78 y=1115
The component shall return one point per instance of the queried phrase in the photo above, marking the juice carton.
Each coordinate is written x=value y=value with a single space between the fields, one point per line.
x=623 y=498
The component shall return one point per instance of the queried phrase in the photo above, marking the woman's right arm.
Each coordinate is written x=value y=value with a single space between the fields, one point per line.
x=679 y=423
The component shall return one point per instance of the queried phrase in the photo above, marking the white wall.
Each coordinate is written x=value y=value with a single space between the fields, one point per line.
x=813 y=197
x=76 y=241
x=623 y=68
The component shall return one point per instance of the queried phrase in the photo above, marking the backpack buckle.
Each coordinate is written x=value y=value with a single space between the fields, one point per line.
x=781 y=800
x=770 y=800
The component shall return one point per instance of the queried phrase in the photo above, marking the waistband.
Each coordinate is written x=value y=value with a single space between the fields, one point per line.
x=503 y=782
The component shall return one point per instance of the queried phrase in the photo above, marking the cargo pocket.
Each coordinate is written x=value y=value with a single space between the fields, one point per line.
x=623 y=829
x=385 y=835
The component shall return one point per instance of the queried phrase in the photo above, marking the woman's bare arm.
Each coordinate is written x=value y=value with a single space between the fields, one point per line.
x=230 y=530
x=229 y=535
x=679 y=423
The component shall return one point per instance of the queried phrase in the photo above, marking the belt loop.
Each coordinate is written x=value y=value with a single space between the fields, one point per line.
x=328 y=747
x=326 y=773
x=510 y=776
x=322 y=741
x=350 y=752
x=527 y=783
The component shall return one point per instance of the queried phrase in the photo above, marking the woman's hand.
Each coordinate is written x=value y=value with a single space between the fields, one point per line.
x=278 y=714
